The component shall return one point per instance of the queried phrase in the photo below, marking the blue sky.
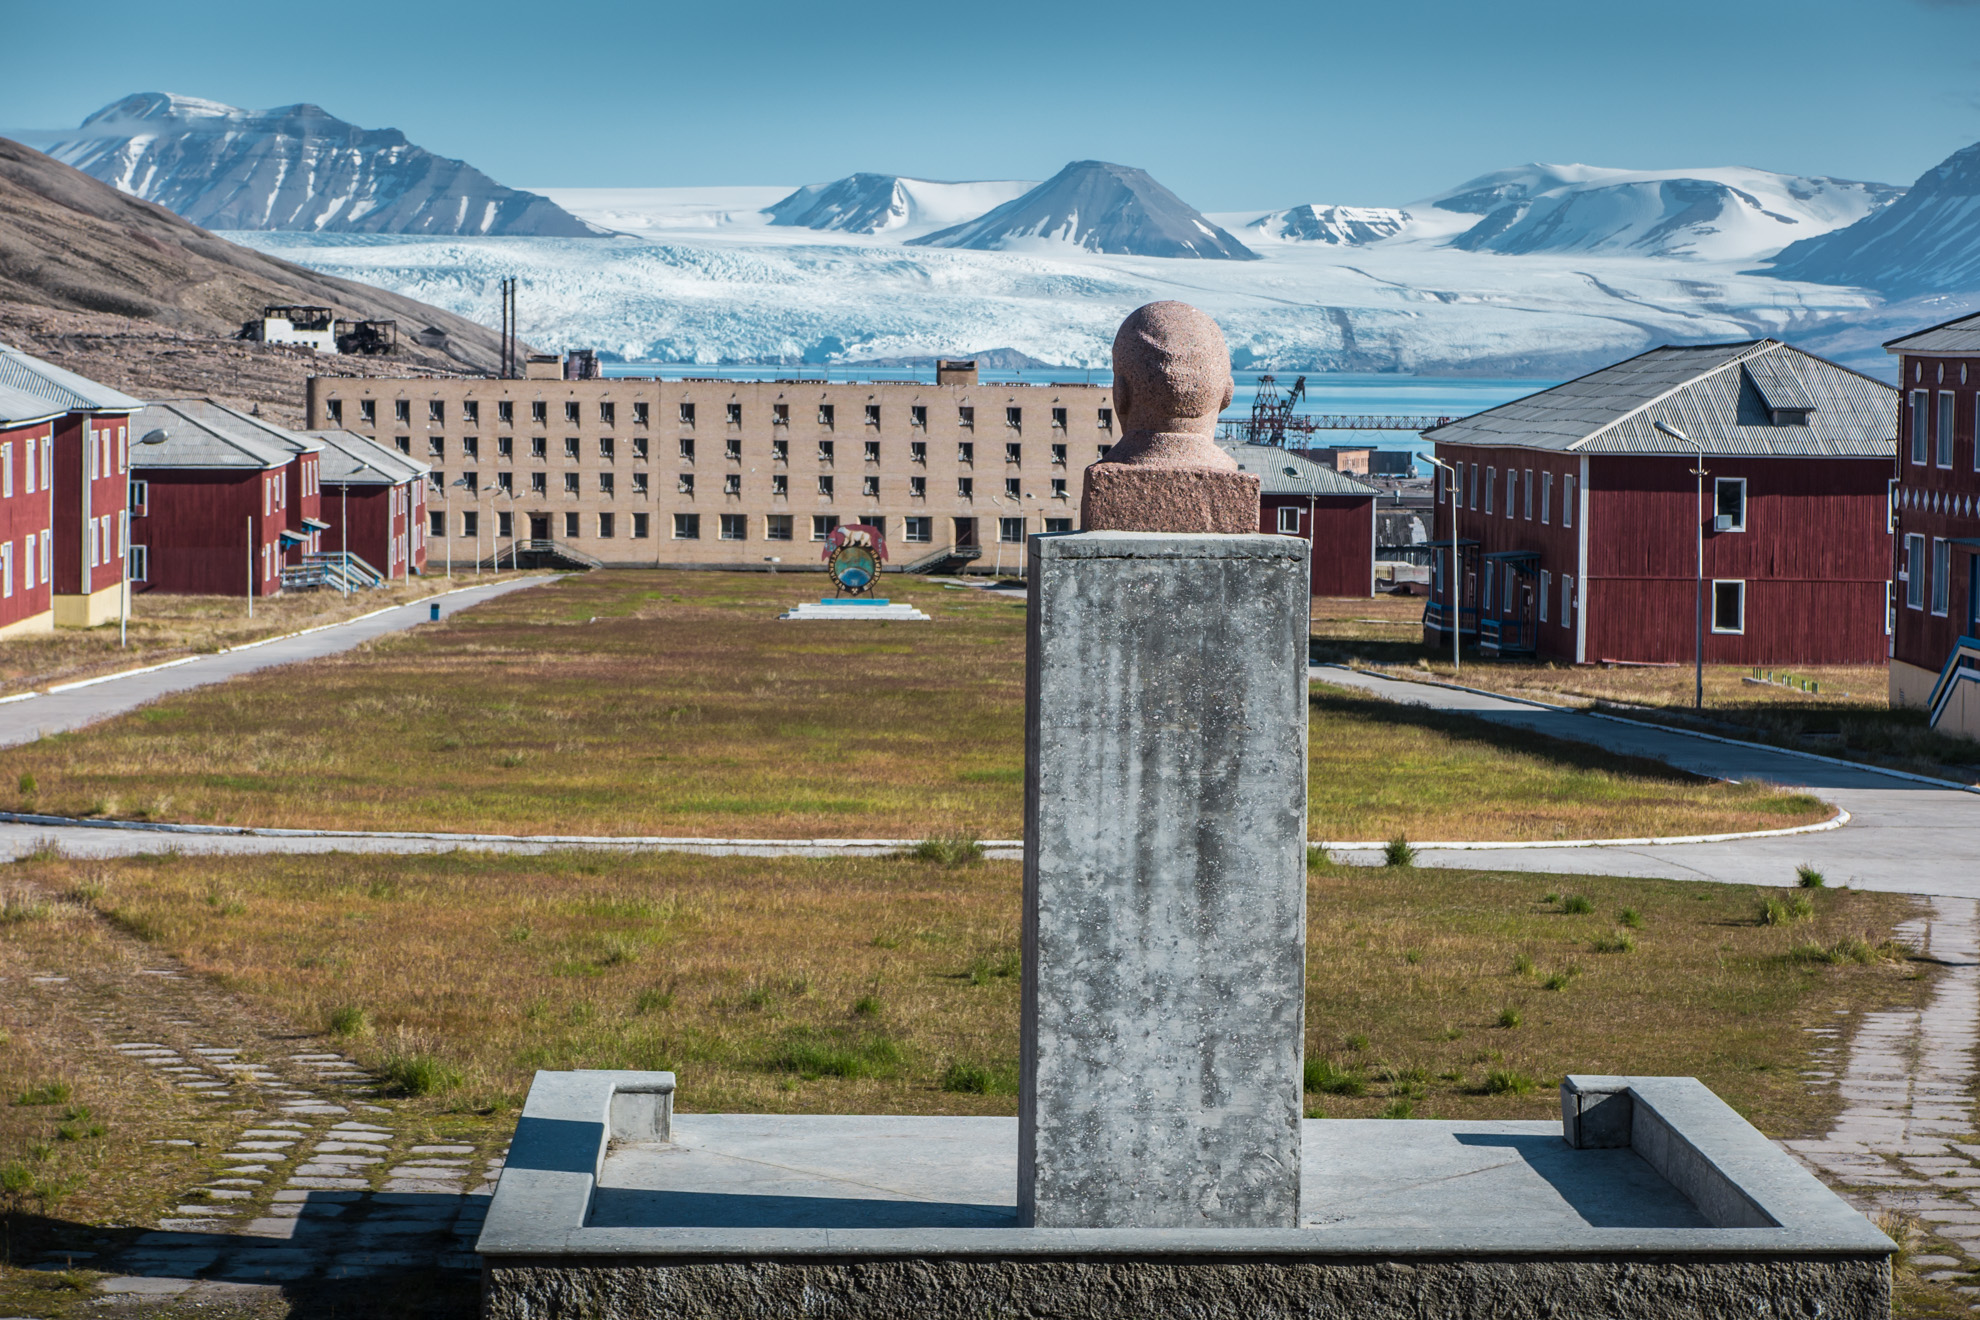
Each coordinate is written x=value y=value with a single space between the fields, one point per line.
x=1234 y=107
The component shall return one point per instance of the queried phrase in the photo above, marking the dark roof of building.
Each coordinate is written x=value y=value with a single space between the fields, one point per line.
x=1760 y=397
x=200 y=433
x=1282 y=472
x=1959 y=335
x=67 y=390
x=356 y=460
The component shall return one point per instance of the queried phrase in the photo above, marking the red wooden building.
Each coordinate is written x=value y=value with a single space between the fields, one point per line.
x=87 y=465
x=374 y=499
x=27 y=551
x=1935 y=642
x=213 y=512
x=1298 y=497
x=1577 y=515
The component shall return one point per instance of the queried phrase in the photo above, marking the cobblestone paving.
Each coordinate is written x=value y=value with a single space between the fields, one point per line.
x=1905 y=1140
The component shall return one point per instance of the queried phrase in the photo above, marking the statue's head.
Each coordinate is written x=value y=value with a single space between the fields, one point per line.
x=1172 y=371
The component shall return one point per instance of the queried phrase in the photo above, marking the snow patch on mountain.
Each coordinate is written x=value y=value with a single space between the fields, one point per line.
x=295 y=167
x=881 y=203
x=1348 y=226
x=1924 y=243
x=1094 y=206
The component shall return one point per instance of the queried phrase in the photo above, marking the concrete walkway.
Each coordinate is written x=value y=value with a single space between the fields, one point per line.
x=58 y=712
x=1903 y=836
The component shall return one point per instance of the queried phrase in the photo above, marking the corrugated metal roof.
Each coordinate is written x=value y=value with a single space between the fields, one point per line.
x=1960 y=335
x=19 y=407
x=356 y=460
x=1282 y=472
x=1712 y=393
x=30 y=374
x=203 y=434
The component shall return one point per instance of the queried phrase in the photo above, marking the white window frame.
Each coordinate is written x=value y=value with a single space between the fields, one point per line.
x=1920 y=426
x=47 y=554
x=1567 y=501
x=7 y=569
x=1004 y=536
x=1567 y=600
x=1911 y=571
x=1546 y=590
x=29 y=555
x=140 y=562
x=1943 y=428
x=917 y=530
x=7 y=469
x=1528 y=505
x=27 y=465
x=687 y=527
x=1941 y=576
x=1546 y=498
x=1491 y=487
x=1289 y=519
x=1729 y=582
x=1718 y=484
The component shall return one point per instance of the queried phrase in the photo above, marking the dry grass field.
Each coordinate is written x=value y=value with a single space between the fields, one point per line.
x=167 y=627
x=891 y=985
x=676 y=704
x=1847 y=713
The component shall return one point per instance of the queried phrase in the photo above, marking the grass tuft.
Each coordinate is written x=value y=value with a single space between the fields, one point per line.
x=1808 y=877
x=1577 y=905
x=1323 y=1078
x=419 y=1074
x=1620 y=942
x=46 y=1093
x=1510 y=1017
x=1630 y=919
x=1505 y=1081
x=1786 y=911
x=960 y=850
x=812 y=1056
x=962 y=1078
x=1398 y=1108
x=1398 y=852
x=1522 y=964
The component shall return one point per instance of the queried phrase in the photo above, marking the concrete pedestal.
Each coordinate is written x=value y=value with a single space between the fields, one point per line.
x=1164 y=882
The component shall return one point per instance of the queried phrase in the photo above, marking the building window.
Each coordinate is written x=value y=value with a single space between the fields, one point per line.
x=733 y=449
x=917 y=530
x=735 y=527
x=1106 y=419
x=1014 y=453
x=639 y=483
x=1941 y=576
x=966 y=417
x=505 y=524
x=687 y=448
x=367 y=410
x=470 y=411
x=1104 y=451
x=873 y=414
x=735 y=414
x=538 y=447
x=571 y=412
x=873 y=451
x=1012 y=490
x=1010 y=530
x=607 y=449
x=571 y=448
x=1911 y=572
x=825 y=414
x=780 y=484
x=641 y=526
x=1058 y=419
x=870 y=487
x=1943 y=437
x=777 y=527
x=687 y=413
x=436 y=446
x=608 y=414
x=1058 y=455
x=470 y=524
x=436 y=410
x=825 y=485
x=687 y=527
x=1491 y=487
x=918 y=451
x=780 y=451
x=780 y=414
x=605 y=523
x=1058 y=488
x=684 y=484
x=571 y=526
x=505 y=446
x=1512 y=492
x=539 y=412
x=1529 y=495
x=965 y=488
x=1567 y=599
x=1567 y=506
x=402 y=410
x=1289 y=519
x=1014 y=418
x=570 y=483
x=336 y=409
x=732 y=484
x=1546 y=590
x=1546 y=506
x=966 y=452
x=918 y=416
x=470 y=446
x=823 y=525
x=1920 y=418
x=1729 y=504
x=140 y=562
x=436 y=524
x=1058 y=525
x=505 y=482
x=826 y=451
x=918 y=488
x=505 y=412
x=538 y=484
x=639 y=414
x=1728 y=607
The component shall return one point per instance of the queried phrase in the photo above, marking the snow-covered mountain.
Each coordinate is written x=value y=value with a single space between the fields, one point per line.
x=1709 y=214
x=877 y=203
x=1348 y=226
x=1094 y=206
x=296 y=167
x=1927 y=242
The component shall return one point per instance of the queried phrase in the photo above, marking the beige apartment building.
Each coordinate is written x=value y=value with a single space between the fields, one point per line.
x=642 y=472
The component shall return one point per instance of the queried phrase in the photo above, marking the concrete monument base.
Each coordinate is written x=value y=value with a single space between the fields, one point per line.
x=854 y=608
x=1651 y=1199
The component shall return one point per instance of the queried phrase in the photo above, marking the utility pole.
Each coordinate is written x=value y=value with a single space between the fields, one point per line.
x=1455 y=617
x=250 y=565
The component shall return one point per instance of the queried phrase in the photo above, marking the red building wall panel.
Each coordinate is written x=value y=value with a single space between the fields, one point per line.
x=1547 y=527
x=92 y=486
x=1342 y=529
x=26 y=509
x=1936 y=501
x=303 y=494
x=211 y=532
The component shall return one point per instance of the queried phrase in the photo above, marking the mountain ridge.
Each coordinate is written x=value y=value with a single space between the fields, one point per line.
x=1100 y=207
x=1926 y=242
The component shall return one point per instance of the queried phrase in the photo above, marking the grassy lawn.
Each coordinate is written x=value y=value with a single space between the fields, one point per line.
x=167 y=627
x=676 y=704
x=890 y=986
x=1848 y=713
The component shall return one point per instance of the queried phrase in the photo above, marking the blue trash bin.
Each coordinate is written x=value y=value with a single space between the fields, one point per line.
x=434 y=612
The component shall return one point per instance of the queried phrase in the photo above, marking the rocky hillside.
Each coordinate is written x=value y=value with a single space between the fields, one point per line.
x=1925 y=243
x=71 y=243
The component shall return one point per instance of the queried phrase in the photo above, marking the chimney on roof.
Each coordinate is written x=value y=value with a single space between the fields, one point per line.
x=955 y=371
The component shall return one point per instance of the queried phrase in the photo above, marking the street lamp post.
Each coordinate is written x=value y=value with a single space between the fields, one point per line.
x=1455 y=618
x=462 y=482
x=1698 y=580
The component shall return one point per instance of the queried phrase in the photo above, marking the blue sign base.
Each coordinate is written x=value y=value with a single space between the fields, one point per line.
x=852 y=600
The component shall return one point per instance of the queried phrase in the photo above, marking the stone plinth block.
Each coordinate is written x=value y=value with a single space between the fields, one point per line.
x=1124 y=497
x=1164 y=881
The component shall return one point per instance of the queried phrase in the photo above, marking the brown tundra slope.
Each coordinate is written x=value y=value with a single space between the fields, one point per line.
x=128 y=293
